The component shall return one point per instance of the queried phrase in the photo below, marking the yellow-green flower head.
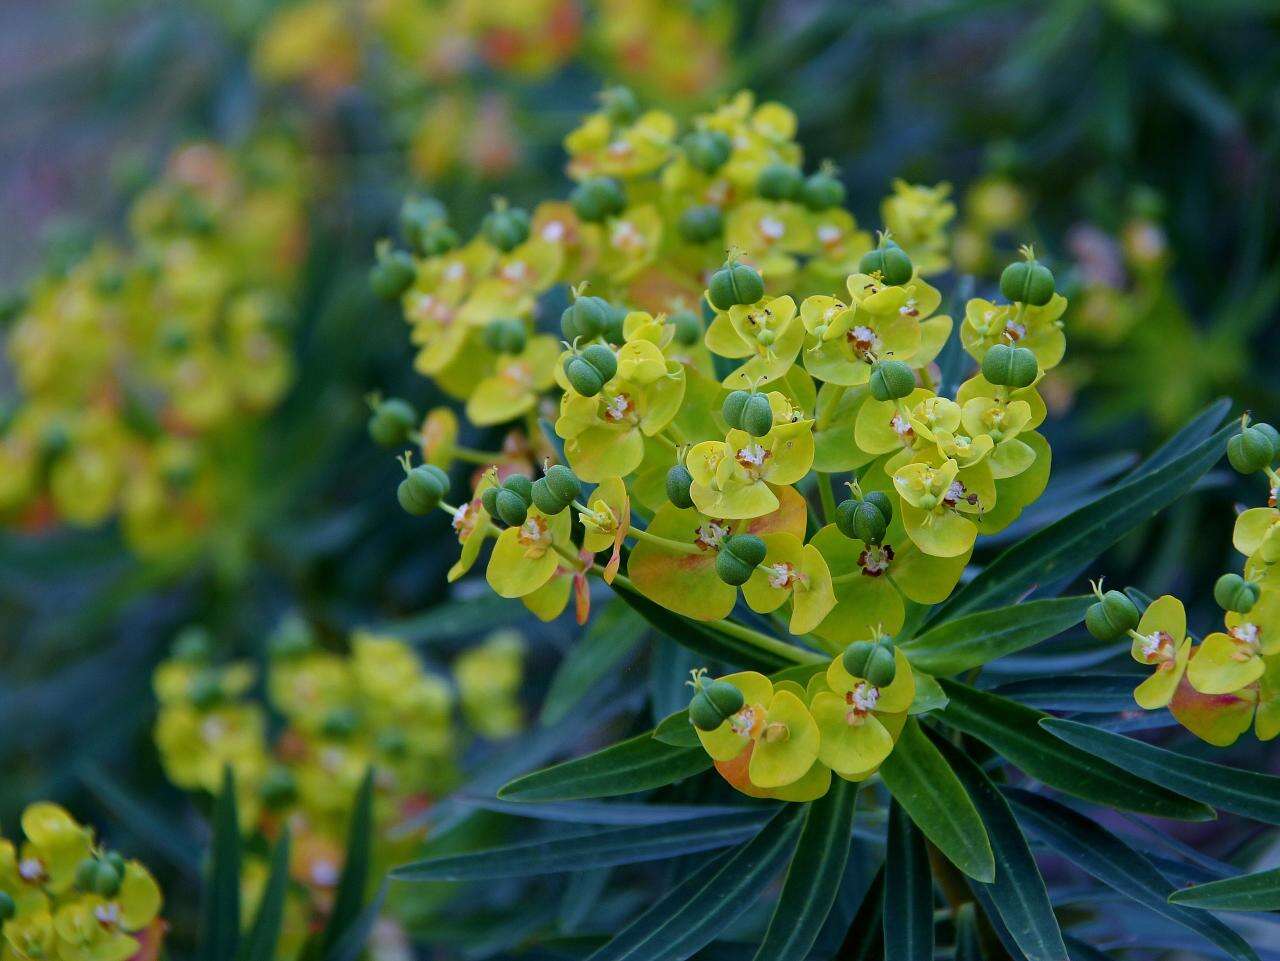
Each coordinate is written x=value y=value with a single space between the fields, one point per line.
x=769 y=334
x=739 y=476
x=625 y=151
x=1039 y=329
x=489 y=677
x=939 y=502
x=1257 y=536
x=859 y=722
x=796 y=572
x=918 y=217
x=1161 y=641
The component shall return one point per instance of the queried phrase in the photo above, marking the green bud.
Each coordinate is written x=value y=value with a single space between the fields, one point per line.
x=822 y=191
x=392 y=742
x=278 y=789
x=882 y=503
x=506 y=227
x=708 y=150
x=421 y=491
x=586 y=318
x=891 y=380
x=688 y=327
x=739 y=555
x=205 y=690
x=86 y=874
x=713 y=704
x=856 y=657
x=438 y=239
x=757 y=415
x=1250 y=450
x=733 y=406
x=505 y=335
x=560 y=487
x=1234 y=593
x=8 y=907
x=391 y=422
x=678 y=481
x=735 y=284
x=520 y=485
x=1027 y=282
x=115 y=859
x=106 y=880
x=419 y=214
x=194 y=644
x=341 y=722
x=779 y=181
x=869 y=524
x=1111 y=617
x=888 y=260
x=512 y=509
x=701 y=224
x=613 y=330
x=597 y=198
x=589 y=371
x=881 y=666
x=392 y=274
x=1009 y=366
x=1272 y=434
x=620 y=105
x=489 y=500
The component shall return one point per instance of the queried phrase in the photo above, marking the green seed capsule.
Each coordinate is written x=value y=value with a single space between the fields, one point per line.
x=1027 y=282
x=614 y=330
x=419 y=214
x=881 y=666
x=563 y=482
x=597 y=198
x=278 y=788
x=822 y=191
x=193 y=645
x=891 y=380
x=869 y=524
x=856 y=657
x=512 y=508
x=603 y=359
x=688 y=327
x=1234 y=593
x=620 y=105
x=779 y=181
x=392 y=274
x=1008 y=366
x=8 y=907
x=739 y=556
x=520 y=485
x=506 y=228
x=582 y=377
x=505 y=335
x=1271 y=433
x=86 y=873
x=757 y=415
x=114 y=859
x=844 y=516
x=489 y=500
x=708 y=150
x=1111 y=617
x=420 y=492
x=545 y=500
x=735 y=284
x=106 y=880
x=1250 y=450
x=701 y=224
x=882 y=503
x=890 y=261
x=340 y=722
x=438 y=239
x=391 y=422
x=586 y=318
x=205 y=690
x=678 y=481
x=733 y=406
x=715 y=703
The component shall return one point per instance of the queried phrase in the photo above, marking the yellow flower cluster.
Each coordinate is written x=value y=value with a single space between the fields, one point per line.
x=707 y=402
x=64 y=897
x=375 y=707
x=136 y=369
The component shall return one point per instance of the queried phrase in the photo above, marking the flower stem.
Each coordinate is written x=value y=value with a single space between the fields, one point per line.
x=827 y=497
x=665 y=543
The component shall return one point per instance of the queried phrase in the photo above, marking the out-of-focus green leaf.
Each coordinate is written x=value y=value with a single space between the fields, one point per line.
x=612 y=636
x=638 y=764
x=974 y=639
x=220 y=911
x=1247 y=793
x=350 y=944
x=349 y=899
x=923 y=783
x=152 y=825
x=1248 y=892
x=604 y=813
x=260 y=943
x=1096 y=851
x=908 y=892
x=813 y=877
x=865 y=938
x=1013 y=731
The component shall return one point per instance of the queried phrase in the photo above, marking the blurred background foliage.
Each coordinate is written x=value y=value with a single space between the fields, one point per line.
x=1133 y=141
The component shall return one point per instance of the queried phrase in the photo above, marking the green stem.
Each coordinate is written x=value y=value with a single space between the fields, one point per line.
x=827 y=496
x=666 y=543
x=471 y=456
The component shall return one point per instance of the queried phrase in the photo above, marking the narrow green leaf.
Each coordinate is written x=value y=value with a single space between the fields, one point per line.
x=676 y=730
x=1247 y=793
x=148 y=821
x=638 y=764
x=351 y=942
x=813 y=877
x=713 y=897
x=1248 y=892
x=349 y=898
x=220 y=912
x=1083 y=693
x=929 y=696
x=1101 y=854
x=908 y=892
x=1018 y=892
x=590 y=848
x=923 y=783
x=968 y=943
x=1192 y=433
x=1060 y=548
x=612 y=636
x=264 y=934
x=865 y=938
x=974 y=639
x=1013 y=731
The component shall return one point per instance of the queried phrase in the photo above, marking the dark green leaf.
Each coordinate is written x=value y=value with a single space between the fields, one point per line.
x=149 y=822
x=929 y=696
x=1096 y=851
x=612 y=636
x=908 y=892
x=1200 y=428
x=590 y=848
x=1247 y=793
x=1249 y=892
x=865 y=939
x=264 y=934
x=634 y=765
x=1082 y=535
x=612 y=813
x=922 y=782
x=1014 y=732
x=972 y=640
x=1018 y=892
x=1085 y=693
x=354 y=882
x=676 y=730
x=220 y=912
x=968 y=943
x=351 y=942
x=709 y=900
x=813 y=877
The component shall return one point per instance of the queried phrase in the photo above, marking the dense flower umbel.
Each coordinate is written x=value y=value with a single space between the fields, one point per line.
x=374 y=707
x=696 y=400
x=62 y=896
x=138 y=367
